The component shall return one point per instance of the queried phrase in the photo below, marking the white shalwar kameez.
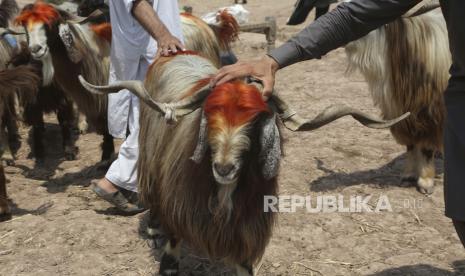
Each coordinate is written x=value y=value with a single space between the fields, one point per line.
x=132 y=51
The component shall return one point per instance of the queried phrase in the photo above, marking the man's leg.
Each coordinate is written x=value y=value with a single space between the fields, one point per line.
x=119 y=186
x=460 y=228
x=122 y=174
x=122 y=171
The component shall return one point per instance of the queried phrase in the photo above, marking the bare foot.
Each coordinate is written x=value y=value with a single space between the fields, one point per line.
x=107 y=186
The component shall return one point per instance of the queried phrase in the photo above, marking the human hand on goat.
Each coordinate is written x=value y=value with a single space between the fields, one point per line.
x=148 y=18
x=263 y=69
x=168 y=45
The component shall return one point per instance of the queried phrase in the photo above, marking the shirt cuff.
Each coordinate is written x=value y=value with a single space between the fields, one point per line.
x=285 y=55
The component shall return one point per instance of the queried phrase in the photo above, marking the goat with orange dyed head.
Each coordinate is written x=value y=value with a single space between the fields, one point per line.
x=206 y=176
x=69 y=46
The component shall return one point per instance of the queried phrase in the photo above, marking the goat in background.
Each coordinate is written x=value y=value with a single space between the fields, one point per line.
x=406 y=65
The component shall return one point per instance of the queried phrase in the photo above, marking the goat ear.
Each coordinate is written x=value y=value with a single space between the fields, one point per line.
x=202 y=145
x=270 y=151
x=69 y=41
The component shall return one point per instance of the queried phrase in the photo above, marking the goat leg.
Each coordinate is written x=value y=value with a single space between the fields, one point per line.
x=4 y=209
x=9 y=123
x=66 y=119
x=169 y=265
x=108 y=147
x=14 y=140
x=426 y=171
x=244 y=270
x=409 y=176
x=5 y=150
x=33 y=115
x=155 y=231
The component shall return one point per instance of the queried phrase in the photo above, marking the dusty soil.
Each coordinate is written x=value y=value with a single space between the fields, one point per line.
x=60 y=227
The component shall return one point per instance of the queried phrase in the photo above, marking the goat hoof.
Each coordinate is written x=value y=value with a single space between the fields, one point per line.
x=104 y=165
x=5 y=217
x=5 y=214
x=71 y=154
x=426 y=185
x=408 y=181
x=39 y=156
x=82 y=128
x=10 y=162
x=169 y=265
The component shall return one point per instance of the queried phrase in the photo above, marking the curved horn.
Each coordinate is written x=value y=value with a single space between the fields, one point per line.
x=5 y=31
x=83 y=20
x=296 y=123
x=422 y=8
x=171 y=111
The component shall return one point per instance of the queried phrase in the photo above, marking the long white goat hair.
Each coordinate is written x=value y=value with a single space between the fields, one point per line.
x=370 y=55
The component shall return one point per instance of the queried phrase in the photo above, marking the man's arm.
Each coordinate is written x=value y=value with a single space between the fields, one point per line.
x=148 y=18
x=349 y=21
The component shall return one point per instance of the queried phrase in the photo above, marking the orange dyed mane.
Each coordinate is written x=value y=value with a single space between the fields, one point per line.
x=102 y=30
x=39 y=12
x=234 y=103
x=229 y=28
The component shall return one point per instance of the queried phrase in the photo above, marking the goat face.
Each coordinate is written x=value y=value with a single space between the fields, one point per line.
x=38 y=41
x=39 y=20
x=231 y=111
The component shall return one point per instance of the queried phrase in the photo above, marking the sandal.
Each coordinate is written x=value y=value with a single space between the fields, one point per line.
x=117 y=199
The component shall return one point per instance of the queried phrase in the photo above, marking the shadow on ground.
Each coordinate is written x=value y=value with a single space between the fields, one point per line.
x=386 y=175
x=16 y=211
x=424 y=270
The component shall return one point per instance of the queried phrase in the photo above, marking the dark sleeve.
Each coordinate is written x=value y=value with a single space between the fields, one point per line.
x=348 y=22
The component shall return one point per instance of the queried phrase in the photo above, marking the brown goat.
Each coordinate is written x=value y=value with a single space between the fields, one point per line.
x=48 y=99
x=213 y=200
x=68 y=48
x=24 y=80
x=8 y=9
x=406 y=66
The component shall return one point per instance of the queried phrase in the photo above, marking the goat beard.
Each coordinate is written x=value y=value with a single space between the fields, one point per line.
x=47 y=70
x=221 y=204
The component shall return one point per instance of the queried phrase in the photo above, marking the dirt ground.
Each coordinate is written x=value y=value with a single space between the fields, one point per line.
x=60 y=227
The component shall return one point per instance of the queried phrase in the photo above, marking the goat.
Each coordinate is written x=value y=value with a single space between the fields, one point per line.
x=25 y=80
x=67 y=47
x=48 y=99
x=213 y=200
x=8 y=120
x=405 y=64
x=210 y=40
